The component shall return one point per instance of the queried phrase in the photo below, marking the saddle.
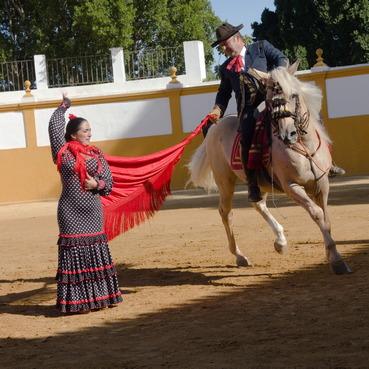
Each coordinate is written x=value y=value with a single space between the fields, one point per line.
x=259 y=153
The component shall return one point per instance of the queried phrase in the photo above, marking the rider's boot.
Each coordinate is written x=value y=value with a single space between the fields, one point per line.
x=252 y=181
x=335 y=170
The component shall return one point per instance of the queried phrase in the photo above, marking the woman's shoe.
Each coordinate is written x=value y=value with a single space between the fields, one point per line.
x=83 y=311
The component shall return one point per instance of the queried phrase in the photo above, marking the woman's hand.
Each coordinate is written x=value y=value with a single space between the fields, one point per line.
x=66 y=103
x=90 y=183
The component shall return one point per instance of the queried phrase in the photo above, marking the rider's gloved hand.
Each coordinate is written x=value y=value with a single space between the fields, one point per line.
x=215 y=114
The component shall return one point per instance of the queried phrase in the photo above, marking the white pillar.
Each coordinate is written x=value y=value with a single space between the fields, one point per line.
x=41 y=72
x=194 y=60
x=119 y=72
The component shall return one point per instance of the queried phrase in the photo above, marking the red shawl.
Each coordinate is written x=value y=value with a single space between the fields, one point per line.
x=141 y=185
x=79 y=151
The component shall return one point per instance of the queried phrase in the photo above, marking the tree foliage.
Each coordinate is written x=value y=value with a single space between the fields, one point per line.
x=339 y=27
x=60 y=28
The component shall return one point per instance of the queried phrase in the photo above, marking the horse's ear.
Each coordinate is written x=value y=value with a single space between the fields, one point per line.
x=292 y=69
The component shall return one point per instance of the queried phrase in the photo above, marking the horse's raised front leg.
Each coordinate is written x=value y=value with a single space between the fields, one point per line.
x=280 y=243
x=320 y=217
x=226 y=189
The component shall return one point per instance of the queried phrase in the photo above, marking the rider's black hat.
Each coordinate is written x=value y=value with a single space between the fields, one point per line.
x=224 y=32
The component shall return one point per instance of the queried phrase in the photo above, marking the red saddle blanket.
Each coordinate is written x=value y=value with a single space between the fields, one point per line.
x=259 y=154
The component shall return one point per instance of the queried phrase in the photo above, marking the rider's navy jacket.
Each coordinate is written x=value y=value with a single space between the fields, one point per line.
x=261 y=55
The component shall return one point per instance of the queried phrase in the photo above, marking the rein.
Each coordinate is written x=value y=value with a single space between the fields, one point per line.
x=305 y=152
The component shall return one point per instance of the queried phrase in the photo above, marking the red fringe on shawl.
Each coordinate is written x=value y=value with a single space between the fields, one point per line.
x=141 y=185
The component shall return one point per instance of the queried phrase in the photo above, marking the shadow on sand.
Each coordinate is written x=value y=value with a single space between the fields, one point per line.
x=308 y=317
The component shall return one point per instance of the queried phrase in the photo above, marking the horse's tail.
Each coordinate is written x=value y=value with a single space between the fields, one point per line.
x=199 y=167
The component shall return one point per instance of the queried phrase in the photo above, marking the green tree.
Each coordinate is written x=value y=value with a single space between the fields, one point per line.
x=168 y=23
x=101 y=24
x=60 y=28
x=25 y=29
x=339 y=27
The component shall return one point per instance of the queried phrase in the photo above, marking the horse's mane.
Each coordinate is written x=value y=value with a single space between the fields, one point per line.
x=309 y=92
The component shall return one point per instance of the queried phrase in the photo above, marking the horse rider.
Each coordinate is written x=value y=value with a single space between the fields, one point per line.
x=260 y=55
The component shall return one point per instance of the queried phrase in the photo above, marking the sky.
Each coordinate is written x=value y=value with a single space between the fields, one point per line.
x=240 y=12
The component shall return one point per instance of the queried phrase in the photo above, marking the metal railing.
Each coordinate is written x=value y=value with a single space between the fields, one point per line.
x=80 y=70
x=14 y=74
x=153 y=63
x=95 y=69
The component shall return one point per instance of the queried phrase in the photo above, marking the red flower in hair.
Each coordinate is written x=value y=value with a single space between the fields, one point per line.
x=72 y=116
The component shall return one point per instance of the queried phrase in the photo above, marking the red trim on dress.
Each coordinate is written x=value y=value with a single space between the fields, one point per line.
x=86 y=270
x=64 y=302
x=81 y=235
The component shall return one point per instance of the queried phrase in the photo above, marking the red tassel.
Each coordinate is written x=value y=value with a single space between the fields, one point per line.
x=141 y=185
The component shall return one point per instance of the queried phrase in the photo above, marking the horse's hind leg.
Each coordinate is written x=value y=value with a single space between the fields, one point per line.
x=280 y=243
x=319 y=215
x=226 y=190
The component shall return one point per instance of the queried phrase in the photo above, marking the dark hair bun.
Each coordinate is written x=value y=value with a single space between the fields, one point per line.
x=72 y=127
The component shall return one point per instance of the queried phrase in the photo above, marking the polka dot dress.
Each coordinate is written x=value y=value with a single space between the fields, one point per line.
x=86 y=274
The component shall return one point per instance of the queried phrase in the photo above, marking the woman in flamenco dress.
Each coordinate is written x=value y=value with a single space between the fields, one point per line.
x=86 y=276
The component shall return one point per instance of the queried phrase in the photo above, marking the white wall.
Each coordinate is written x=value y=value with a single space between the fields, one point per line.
x=115 y=120
x=104 y=89
x=12 y=133
x=348 y=96
x=195 y=107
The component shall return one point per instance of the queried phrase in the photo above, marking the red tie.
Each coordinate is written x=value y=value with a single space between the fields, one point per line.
x=236 y=64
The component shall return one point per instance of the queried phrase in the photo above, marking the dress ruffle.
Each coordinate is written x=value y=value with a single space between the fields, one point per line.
x=86 y=276
x=88 y=295
x=91 y=274
x=82 y=240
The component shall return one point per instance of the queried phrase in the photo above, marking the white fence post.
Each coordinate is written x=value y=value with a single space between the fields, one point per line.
x=41 y=72
x=119 y=72
x=194 y=60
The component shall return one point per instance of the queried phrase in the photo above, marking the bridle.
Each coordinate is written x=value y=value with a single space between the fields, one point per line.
x=277 y=106
x=277 y=109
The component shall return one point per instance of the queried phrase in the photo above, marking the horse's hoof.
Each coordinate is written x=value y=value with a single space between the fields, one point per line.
x=340 y=267
x=242 y=261
x=281 y=248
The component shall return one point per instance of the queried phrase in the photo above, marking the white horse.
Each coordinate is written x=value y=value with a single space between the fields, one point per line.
x=299 y=162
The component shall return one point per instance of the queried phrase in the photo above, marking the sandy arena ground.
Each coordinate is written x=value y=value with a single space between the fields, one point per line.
x=187 y=306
